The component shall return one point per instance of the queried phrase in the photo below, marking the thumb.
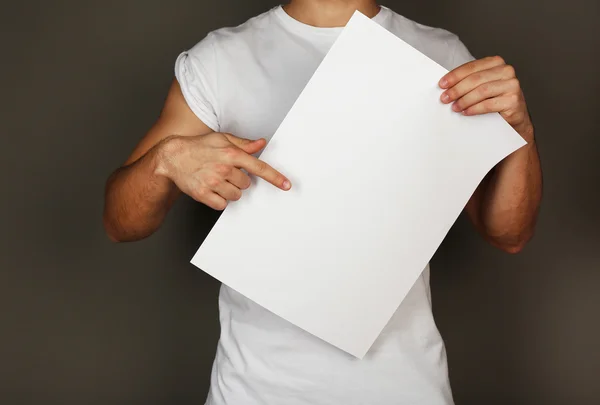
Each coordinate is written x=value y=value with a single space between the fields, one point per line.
x=247 y=145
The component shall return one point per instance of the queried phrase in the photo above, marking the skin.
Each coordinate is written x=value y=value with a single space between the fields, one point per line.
x=196 y=161
x=504 y=207
x=180 y=154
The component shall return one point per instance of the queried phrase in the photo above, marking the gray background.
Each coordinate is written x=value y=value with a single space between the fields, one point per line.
x=86 y=321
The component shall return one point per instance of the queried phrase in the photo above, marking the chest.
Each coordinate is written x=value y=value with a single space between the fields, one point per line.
x=260 y=84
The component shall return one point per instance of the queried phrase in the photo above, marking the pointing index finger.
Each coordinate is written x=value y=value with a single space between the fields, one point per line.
x=261 y=169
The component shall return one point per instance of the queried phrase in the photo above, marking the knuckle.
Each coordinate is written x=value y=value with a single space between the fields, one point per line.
x=200 y=193
x=231 y=152
x=490 y=104
x=510 y=70
x=223 y=170
x=260 y=167
x=514 y=99
x=515 y=83
x=212 y=182
x=485 y=89
x=498 y=59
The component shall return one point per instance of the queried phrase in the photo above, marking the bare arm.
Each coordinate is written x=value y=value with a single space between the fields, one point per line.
x=179 y=154
x=137 y=197
x=504 y=207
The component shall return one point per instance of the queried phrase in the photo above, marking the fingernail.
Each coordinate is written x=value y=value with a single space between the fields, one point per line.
x=443 y=83
x=286 y=185
x=455 y=107
x=445 y=97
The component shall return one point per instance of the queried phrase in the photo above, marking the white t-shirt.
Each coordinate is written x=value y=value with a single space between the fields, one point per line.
x=243 y=80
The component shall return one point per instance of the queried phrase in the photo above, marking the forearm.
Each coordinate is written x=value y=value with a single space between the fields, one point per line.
x=137 y=198
x=510 y=199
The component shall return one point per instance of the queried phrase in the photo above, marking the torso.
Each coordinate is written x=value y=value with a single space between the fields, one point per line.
x=261 y=67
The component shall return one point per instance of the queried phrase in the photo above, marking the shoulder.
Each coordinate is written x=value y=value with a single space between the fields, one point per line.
x=234 y=39
x=204 y=69
x=439 y=44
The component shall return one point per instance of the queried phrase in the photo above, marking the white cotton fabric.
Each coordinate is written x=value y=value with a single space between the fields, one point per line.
x=243 y=80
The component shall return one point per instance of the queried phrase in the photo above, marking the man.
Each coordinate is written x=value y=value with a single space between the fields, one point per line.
x=231 y=91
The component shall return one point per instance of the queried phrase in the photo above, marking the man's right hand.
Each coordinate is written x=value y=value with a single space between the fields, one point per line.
x=209 y=167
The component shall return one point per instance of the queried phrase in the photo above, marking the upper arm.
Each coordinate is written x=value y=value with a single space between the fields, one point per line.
x=192 y=104
x=176 y=118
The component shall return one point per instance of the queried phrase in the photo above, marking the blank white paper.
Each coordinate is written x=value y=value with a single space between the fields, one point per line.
x=380 y=170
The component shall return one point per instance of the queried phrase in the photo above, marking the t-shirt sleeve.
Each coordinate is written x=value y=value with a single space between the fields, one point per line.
x=460 y=54
x=196 y=72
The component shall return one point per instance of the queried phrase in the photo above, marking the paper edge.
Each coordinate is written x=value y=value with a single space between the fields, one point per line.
x=355 y=17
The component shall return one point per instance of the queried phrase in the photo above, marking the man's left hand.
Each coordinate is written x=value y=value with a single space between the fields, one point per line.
x=488 y=85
